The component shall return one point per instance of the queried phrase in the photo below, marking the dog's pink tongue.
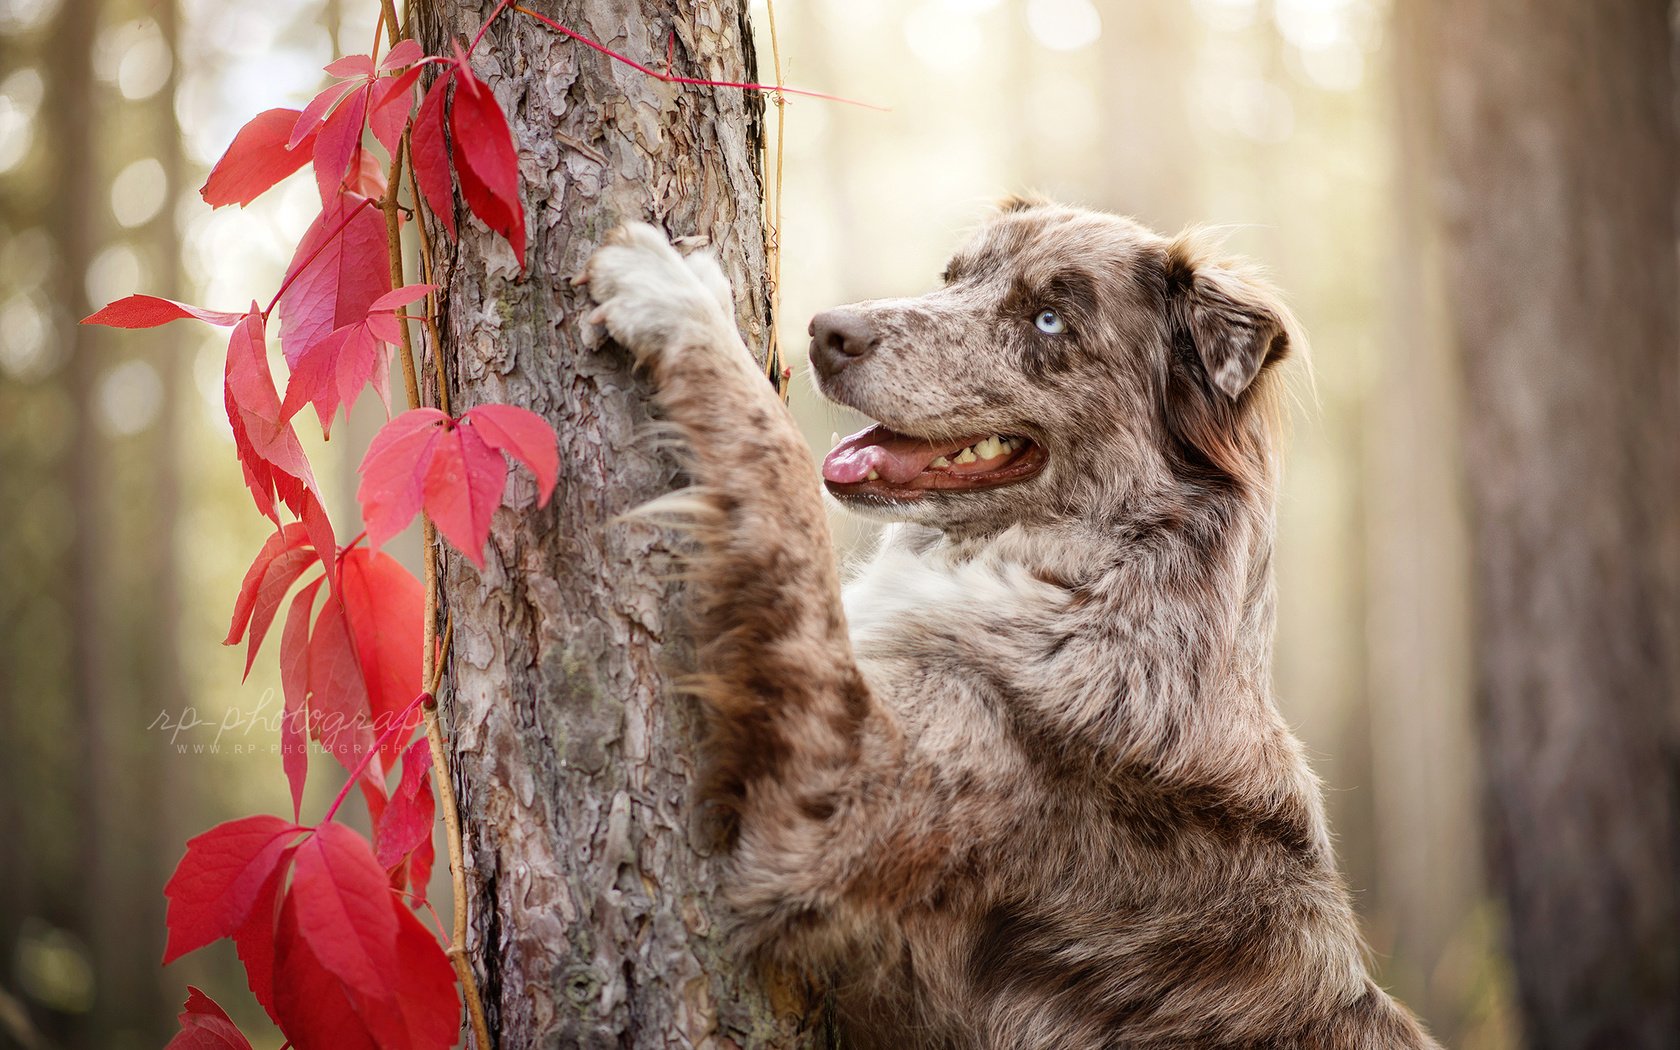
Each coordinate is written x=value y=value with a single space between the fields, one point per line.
x=895 y=457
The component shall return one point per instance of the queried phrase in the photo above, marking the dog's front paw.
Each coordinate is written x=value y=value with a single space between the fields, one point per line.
x=652 y=300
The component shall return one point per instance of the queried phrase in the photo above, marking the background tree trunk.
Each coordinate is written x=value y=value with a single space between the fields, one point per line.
x=1556 y=161
x=593 y=881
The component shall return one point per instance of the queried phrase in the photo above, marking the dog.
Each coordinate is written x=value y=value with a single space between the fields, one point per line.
x=1022 y=783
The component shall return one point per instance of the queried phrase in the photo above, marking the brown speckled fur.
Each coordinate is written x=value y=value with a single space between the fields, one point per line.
x=1023 y=784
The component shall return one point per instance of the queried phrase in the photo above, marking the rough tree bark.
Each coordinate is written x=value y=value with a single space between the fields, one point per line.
x=1556 y=161
x=592 y=877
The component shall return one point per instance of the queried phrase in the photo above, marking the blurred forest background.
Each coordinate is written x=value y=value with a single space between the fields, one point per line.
x=1382 y=161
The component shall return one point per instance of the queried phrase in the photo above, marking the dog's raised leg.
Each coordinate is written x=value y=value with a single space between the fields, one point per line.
x=800 y=749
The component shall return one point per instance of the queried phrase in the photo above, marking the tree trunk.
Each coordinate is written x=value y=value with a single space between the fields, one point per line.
x=1557 y=156
x=593 y=882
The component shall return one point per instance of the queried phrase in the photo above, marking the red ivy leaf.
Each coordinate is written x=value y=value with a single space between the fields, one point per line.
x=462 y=488
x=149 y=311
x=335 y=276
x=254 y=940
x=309 y=121
x=484 y=159
x=351 y=66
x=394 y=101
x=269 y=453
x=407 y=823
x=344 y=908
x=339 y=142
x=313 y=1008
x=423 y=1010
x=385 y=607
x=259 y=157
x=393 y=470
x=338 y=147
x=425 y=459
x=338 y=700
x=525 y=436
x=206 y=1026
x=294 y=686
x=406 y=52
x=284 y=558
x=219 y=878
x=334 y=371
x=431 y=156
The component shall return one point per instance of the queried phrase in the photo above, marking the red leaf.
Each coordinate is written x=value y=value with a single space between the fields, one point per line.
x=338 y=699
x=294 y=686
x=344 y=908
x=149 y=311
x=309 y=121
x=206 y=1026
x=406 y=52
x=485 y=160
x=331 y=373
x=219 y=878
x=334 y=371
x=284 y=539
x=339 y=142
x=463 y=487
x=423 y=459
x=259 y=157
x=393 y=472
x=313 y=1007
x=431 y=156
x=394 y=101
x=273 y=461
x=397 y=298
x=424 y=1010
x=385 y=607
x=351 y=66
x=525 y=436
x=281 y=575
x=254 y=940
x=337 y=276
x=407 y=823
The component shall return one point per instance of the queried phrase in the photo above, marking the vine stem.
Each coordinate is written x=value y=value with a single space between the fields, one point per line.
x=432 y=668
x=773 y=354
x=361 y=767
x=669 y=79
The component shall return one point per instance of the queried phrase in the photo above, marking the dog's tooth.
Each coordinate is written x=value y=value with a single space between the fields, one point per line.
x=873 y=475
x=940 y=462
x=966 y=456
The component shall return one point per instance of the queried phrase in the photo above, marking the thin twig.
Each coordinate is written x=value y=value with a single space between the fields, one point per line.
x=429 y=274
x=669 y=79
x=432 y=667
x=773 y=354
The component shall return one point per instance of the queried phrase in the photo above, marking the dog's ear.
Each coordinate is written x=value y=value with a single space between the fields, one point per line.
x=1235 y=321
x=1021 y=202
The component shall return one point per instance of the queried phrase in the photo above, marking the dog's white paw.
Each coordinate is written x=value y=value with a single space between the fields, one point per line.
x=652 y=300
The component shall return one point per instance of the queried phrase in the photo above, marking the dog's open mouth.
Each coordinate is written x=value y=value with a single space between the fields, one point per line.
x=888 y=465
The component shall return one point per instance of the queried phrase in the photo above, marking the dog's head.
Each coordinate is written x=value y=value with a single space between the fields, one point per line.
x=1073 y=364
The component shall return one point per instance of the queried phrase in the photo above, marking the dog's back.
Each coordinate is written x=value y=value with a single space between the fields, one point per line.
x=1026 y=787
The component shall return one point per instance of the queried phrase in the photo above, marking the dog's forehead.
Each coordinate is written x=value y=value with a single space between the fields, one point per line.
x=1017 y=242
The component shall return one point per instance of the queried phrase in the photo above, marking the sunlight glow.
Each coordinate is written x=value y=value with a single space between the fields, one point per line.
x=138 y=191
x=129 y=398
x=1064 y=25
x=944 y=42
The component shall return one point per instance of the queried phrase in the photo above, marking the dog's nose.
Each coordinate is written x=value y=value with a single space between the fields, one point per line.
x=839 y=337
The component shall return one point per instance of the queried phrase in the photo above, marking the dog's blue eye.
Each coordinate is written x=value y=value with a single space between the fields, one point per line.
x=1049 y=322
